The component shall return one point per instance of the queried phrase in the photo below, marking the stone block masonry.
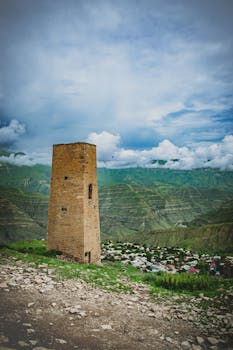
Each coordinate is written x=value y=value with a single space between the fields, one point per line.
x=73 y=218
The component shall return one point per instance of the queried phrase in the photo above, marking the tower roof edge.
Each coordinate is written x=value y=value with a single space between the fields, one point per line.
x=73 y=143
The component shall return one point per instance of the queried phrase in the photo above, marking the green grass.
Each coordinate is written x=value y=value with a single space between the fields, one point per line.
x=35 y=247
x=184 y=282
x=114 y=276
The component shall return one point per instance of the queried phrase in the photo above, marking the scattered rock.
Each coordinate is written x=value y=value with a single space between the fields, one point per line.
x=169 y=340
x=106 y=326
x=185 y=345
x=200 y=340
x=61 y=341
x=74 y=309
x=30 y=330
x=30 y=304
x=33 y=342
x=23 y=343
x=212 y=340
x=196 y=347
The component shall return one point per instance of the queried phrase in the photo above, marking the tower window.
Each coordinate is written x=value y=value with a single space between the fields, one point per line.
x=90 y=191
x=64 y=209
x=65 y=177
x=88 y=255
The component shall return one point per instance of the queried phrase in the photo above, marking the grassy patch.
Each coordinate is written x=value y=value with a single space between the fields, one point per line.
x=35 y=247
x=184 y=282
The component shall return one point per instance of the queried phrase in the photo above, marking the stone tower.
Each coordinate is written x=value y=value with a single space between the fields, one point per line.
x=73 y=220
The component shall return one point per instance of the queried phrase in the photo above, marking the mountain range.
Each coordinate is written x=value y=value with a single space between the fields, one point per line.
x=153 y=205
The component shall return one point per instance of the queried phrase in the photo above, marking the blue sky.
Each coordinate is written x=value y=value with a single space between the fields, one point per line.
x=129 y=75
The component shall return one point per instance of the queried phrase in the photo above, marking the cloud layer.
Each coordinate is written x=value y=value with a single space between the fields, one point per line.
x=110 y=154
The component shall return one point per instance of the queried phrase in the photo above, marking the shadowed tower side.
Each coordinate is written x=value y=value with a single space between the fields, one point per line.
x=73 y=219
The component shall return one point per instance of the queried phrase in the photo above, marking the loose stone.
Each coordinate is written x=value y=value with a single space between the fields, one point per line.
x=185 y=345
x=61 y=341
x=200 y=340
x=23 y=343
x=106 y=326
x=212 y=340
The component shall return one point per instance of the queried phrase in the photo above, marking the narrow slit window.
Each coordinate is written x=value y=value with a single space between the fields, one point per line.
x=90 y=191
x=88 y=255
x=65 y=177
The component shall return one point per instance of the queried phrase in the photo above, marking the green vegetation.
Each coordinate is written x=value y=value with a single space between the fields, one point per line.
x=34 y=178
x=126 y=210
x=184 y=281
x=113 y=276
x=22 y=215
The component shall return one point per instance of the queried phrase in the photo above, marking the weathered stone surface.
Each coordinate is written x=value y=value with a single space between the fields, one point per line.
x=73 y=219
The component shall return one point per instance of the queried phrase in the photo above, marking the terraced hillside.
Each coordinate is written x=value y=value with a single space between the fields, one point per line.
x=16 y=224
x=217 y=238
x=126 y=210
x=22 y=215
x=34 y=178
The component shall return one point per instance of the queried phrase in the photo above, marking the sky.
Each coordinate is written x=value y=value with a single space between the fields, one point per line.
x=142 y=79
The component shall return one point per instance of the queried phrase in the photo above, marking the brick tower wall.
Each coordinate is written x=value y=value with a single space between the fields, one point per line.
x=73 y=219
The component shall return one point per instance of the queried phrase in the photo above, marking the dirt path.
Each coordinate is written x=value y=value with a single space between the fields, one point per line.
x=38 y=313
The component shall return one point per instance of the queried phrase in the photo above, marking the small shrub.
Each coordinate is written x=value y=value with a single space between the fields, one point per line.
x=183 y=281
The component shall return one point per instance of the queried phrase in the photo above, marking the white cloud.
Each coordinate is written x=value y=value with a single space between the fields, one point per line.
x=11 y=133
x=107 y=144
x=27 y=159
x=215 y=155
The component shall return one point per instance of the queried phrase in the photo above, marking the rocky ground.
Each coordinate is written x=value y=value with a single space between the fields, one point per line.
x=39 y=312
